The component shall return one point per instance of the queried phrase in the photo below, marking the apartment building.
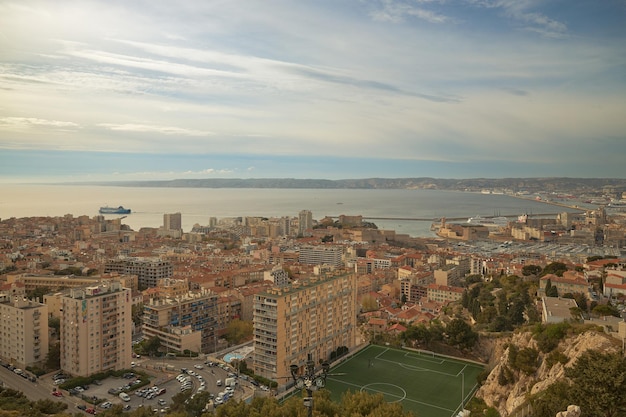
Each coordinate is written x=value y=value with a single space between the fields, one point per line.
x=277 y=275
x=184 y=323
x=96 y=326
x=443 y=293
x=305 y=222
x=571 y=282
x=321 y=255
x=172 y=221
x=58 y=282
x=313 y=316
x=23 y=327
x=148 y=270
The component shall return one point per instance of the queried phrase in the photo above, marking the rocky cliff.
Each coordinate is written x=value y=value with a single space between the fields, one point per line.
x=507 y=387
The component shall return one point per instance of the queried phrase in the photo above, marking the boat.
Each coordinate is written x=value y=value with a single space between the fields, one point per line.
x=114 y=210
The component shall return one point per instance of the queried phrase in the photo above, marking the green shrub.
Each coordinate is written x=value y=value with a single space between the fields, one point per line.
x=556 y=356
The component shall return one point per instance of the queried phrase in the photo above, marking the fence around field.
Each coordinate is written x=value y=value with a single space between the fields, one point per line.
x=424 y=382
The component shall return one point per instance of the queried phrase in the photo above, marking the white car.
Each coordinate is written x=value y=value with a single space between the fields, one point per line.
x=198 y=366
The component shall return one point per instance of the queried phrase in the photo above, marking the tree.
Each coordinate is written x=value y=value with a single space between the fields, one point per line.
x=38 y=293
x=420 y=334
x=53 y=360
x=137 y=314
x=528 y=270
x=605 y=310
x=550 y=290
x=238 y=331
x=599 y=384
x=353 y=404
x=556 y=268
x=581 y=301
x=368 y=303
x=55 y=323
x=152 y=345
x=460 y=334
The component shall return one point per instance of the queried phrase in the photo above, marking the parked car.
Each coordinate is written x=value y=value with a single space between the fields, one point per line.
x=57 y=393
x=91 y=411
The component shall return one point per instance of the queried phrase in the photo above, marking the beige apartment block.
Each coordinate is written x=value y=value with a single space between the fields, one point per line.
x=57 y=282
x=23 y=330
x=321 y=255
x=96 y=325
x=148 y=270
x=184 y=323
x=313 y=316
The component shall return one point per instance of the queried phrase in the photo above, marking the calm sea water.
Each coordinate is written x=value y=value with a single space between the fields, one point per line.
x=198 y=204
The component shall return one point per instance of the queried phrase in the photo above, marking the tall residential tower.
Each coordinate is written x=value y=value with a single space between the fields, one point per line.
x=314 y=316
x=96 y=325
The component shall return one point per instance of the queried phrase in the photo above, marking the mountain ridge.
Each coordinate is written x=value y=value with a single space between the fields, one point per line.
x=470 y=184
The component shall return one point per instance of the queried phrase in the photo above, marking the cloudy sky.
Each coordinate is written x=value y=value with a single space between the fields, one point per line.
x=157 y=89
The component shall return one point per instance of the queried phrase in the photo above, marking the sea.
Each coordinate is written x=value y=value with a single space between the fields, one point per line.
x=197 y=205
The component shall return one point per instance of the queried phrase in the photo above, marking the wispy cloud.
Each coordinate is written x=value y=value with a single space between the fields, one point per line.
x=410 y=80
x=33 y=122
x=164 y=130
x=526 y=14
x=399 y=10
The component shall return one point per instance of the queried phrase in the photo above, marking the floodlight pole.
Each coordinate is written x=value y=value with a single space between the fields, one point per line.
x=309 y=380
x=462 y=389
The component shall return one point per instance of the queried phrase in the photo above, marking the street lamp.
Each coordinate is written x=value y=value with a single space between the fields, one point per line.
x=309 y=380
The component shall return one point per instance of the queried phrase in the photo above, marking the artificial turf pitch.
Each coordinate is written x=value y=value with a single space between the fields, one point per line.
x=427 y=384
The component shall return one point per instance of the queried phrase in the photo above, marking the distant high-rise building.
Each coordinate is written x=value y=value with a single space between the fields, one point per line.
x=285 y=223
x=321 y=255
x=305 y=221
x=23 y=327
x=172 y=221
x=313 y=316
x=96 y=326
x=148 y=270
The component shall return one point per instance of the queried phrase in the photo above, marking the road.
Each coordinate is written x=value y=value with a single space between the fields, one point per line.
x=39 y=390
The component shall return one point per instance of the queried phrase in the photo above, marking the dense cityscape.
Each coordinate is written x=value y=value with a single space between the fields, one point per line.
x=382 y=208
x=247 y=309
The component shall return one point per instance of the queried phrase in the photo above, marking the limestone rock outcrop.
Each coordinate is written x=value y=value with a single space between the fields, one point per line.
x=507 y=397
x=572 y=411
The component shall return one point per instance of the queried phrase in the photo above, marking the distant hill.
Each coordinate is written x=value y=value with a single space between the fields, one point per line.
x=472 y=184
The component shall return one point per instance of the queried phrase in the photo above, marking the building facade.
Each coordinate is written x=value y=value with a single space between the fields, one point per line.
x=23 y=328
x=314 y=316
x=172 y=221
x=183 y=323
x=147 y=270
x=96 y=329
x=305 y=222
x=321 y=255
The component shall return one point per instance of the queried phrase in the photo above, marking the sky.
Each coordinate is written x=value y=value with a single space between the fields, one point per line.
x=154 y=89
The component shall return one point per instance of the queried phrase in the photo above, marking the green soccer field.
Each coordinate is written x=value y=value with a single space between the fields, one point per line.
x=424 y=383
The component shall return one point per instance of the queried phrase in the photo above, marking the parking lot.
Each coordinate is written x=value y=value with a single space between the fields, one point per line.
x=194 y=376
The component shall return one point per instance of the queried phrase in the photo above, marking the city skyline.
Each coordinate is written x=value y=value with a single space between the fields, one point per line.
x=95 y=91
